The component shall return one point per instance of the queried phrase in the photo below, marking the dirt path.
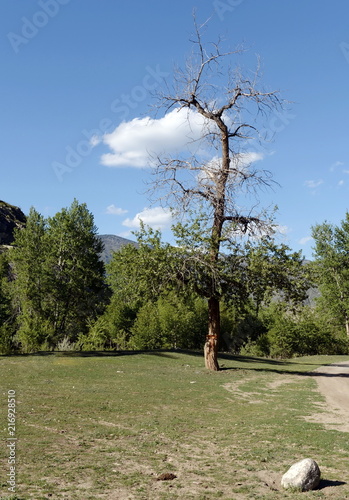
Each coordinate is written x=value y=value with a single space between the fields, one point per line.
x=333 y=384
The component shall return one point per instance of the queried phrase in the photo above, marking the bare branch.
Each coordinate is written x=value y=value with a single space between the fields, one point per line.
x=217 y=175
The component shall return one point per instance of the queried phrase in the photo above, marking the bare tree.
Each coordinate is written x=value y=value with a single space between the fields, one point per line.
x=215 y=177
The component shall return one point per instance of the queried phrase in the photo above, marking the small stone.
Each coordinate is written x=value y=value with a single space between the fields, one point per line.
x=167 y=476
x=303 y=476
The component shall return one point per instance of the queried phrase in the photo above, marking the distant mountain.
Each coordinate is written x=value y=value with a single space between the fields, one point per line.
x=113 y=243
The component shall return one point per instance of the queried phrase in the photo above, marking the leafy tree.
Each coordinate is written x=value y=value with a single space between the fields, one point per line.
x=331 y=268
x=4 y=299
x=76 y=270
x=31 y=287
x=146 y=332
x=276 y=273
x=170 y=322
x=167 y=288
x=150 y=278
x=7 y=326
x=59 y=281
x=140 y=274
x=111 y=330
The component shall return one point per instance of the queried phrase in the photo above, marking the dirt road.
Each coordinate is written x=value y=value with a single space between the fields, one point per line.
x=333 y=384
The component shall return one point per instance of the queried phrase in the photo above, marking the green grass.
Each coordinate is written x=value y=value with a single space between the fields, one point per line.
x=105 y=426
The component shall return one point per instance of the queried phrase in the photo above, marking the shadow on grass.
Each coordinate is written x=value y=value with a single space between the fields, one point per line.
x=271 y=365
x=326 y=483
x=164 y=353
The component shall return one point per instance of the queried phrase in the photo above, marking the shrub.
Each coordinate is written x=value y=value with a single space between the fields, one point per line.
x=146 y=331
x=259 y=347
x=65 y=345
x=288 y=334
x=6 y=339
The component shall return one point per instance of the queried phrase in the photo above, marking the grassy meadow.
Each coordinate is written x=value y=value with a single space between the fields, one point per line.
x=106 y=426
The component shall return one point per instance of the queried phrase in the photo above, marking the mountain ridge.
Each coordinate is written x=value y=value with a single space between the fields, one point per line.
x=113 y=243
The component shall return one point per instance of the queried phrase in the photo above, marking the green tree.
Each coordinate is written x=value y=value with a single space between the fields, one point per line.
x=167 y=287
x=276 y=273
x=170 y=322
x=331 y=268
x=31 y=286
x=7 y=324
x=146 y=331
x=111 y=330
x=76 y=271
x=59 y=277
x=140 y=274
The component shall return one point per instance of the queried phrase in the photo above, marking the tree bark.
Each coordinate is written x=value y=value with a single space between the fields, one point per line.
x=211 y=344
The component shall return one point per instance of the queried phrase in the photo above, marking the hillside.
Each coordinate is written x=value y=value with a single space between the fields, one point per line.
x=11 y=217
x=113 y=243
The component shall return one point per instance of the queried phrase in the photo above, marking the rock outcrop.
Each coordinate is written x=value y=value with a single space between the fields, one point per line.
x=10 y=218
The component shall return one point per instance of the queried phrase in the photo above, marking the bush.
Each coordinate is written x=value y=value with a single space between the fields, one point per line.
x=303 y=335
x=65 y=345
x=6 y=339
x=170 y=322
x=259 y=347
x=183 y=321
x=292 y=334
x=33 y=332
x=112 y=330
x=146 y=331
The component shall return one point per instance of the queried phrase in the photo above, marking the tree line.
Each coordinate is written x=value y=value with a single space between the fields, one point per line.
x=56 y=293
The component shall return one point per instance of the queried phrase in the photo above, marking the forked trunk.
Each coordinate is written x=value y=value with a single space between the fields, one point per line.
x=211 y=344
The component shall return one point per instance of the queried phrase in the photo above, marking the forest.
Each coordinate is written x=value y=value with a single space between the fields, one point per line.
x=57 y=294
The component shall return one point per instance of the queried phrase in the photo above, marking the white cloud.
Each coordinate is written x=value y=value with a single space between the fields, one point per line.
x=313 y=184
x=335 y=165
x=133 y=143
x=249 y=157
x=305 y=240
x=242 y=162
x=341 y=183
x=282 y=229
x=157 y=218
x=113 y=210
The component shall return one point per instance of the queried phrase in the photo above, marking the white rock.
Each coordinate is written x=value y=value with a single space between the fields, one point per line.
x=304 y=475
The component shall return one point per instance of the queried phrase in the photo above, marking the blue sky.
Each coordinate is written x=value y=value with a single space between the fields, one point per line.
x=75 y=70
